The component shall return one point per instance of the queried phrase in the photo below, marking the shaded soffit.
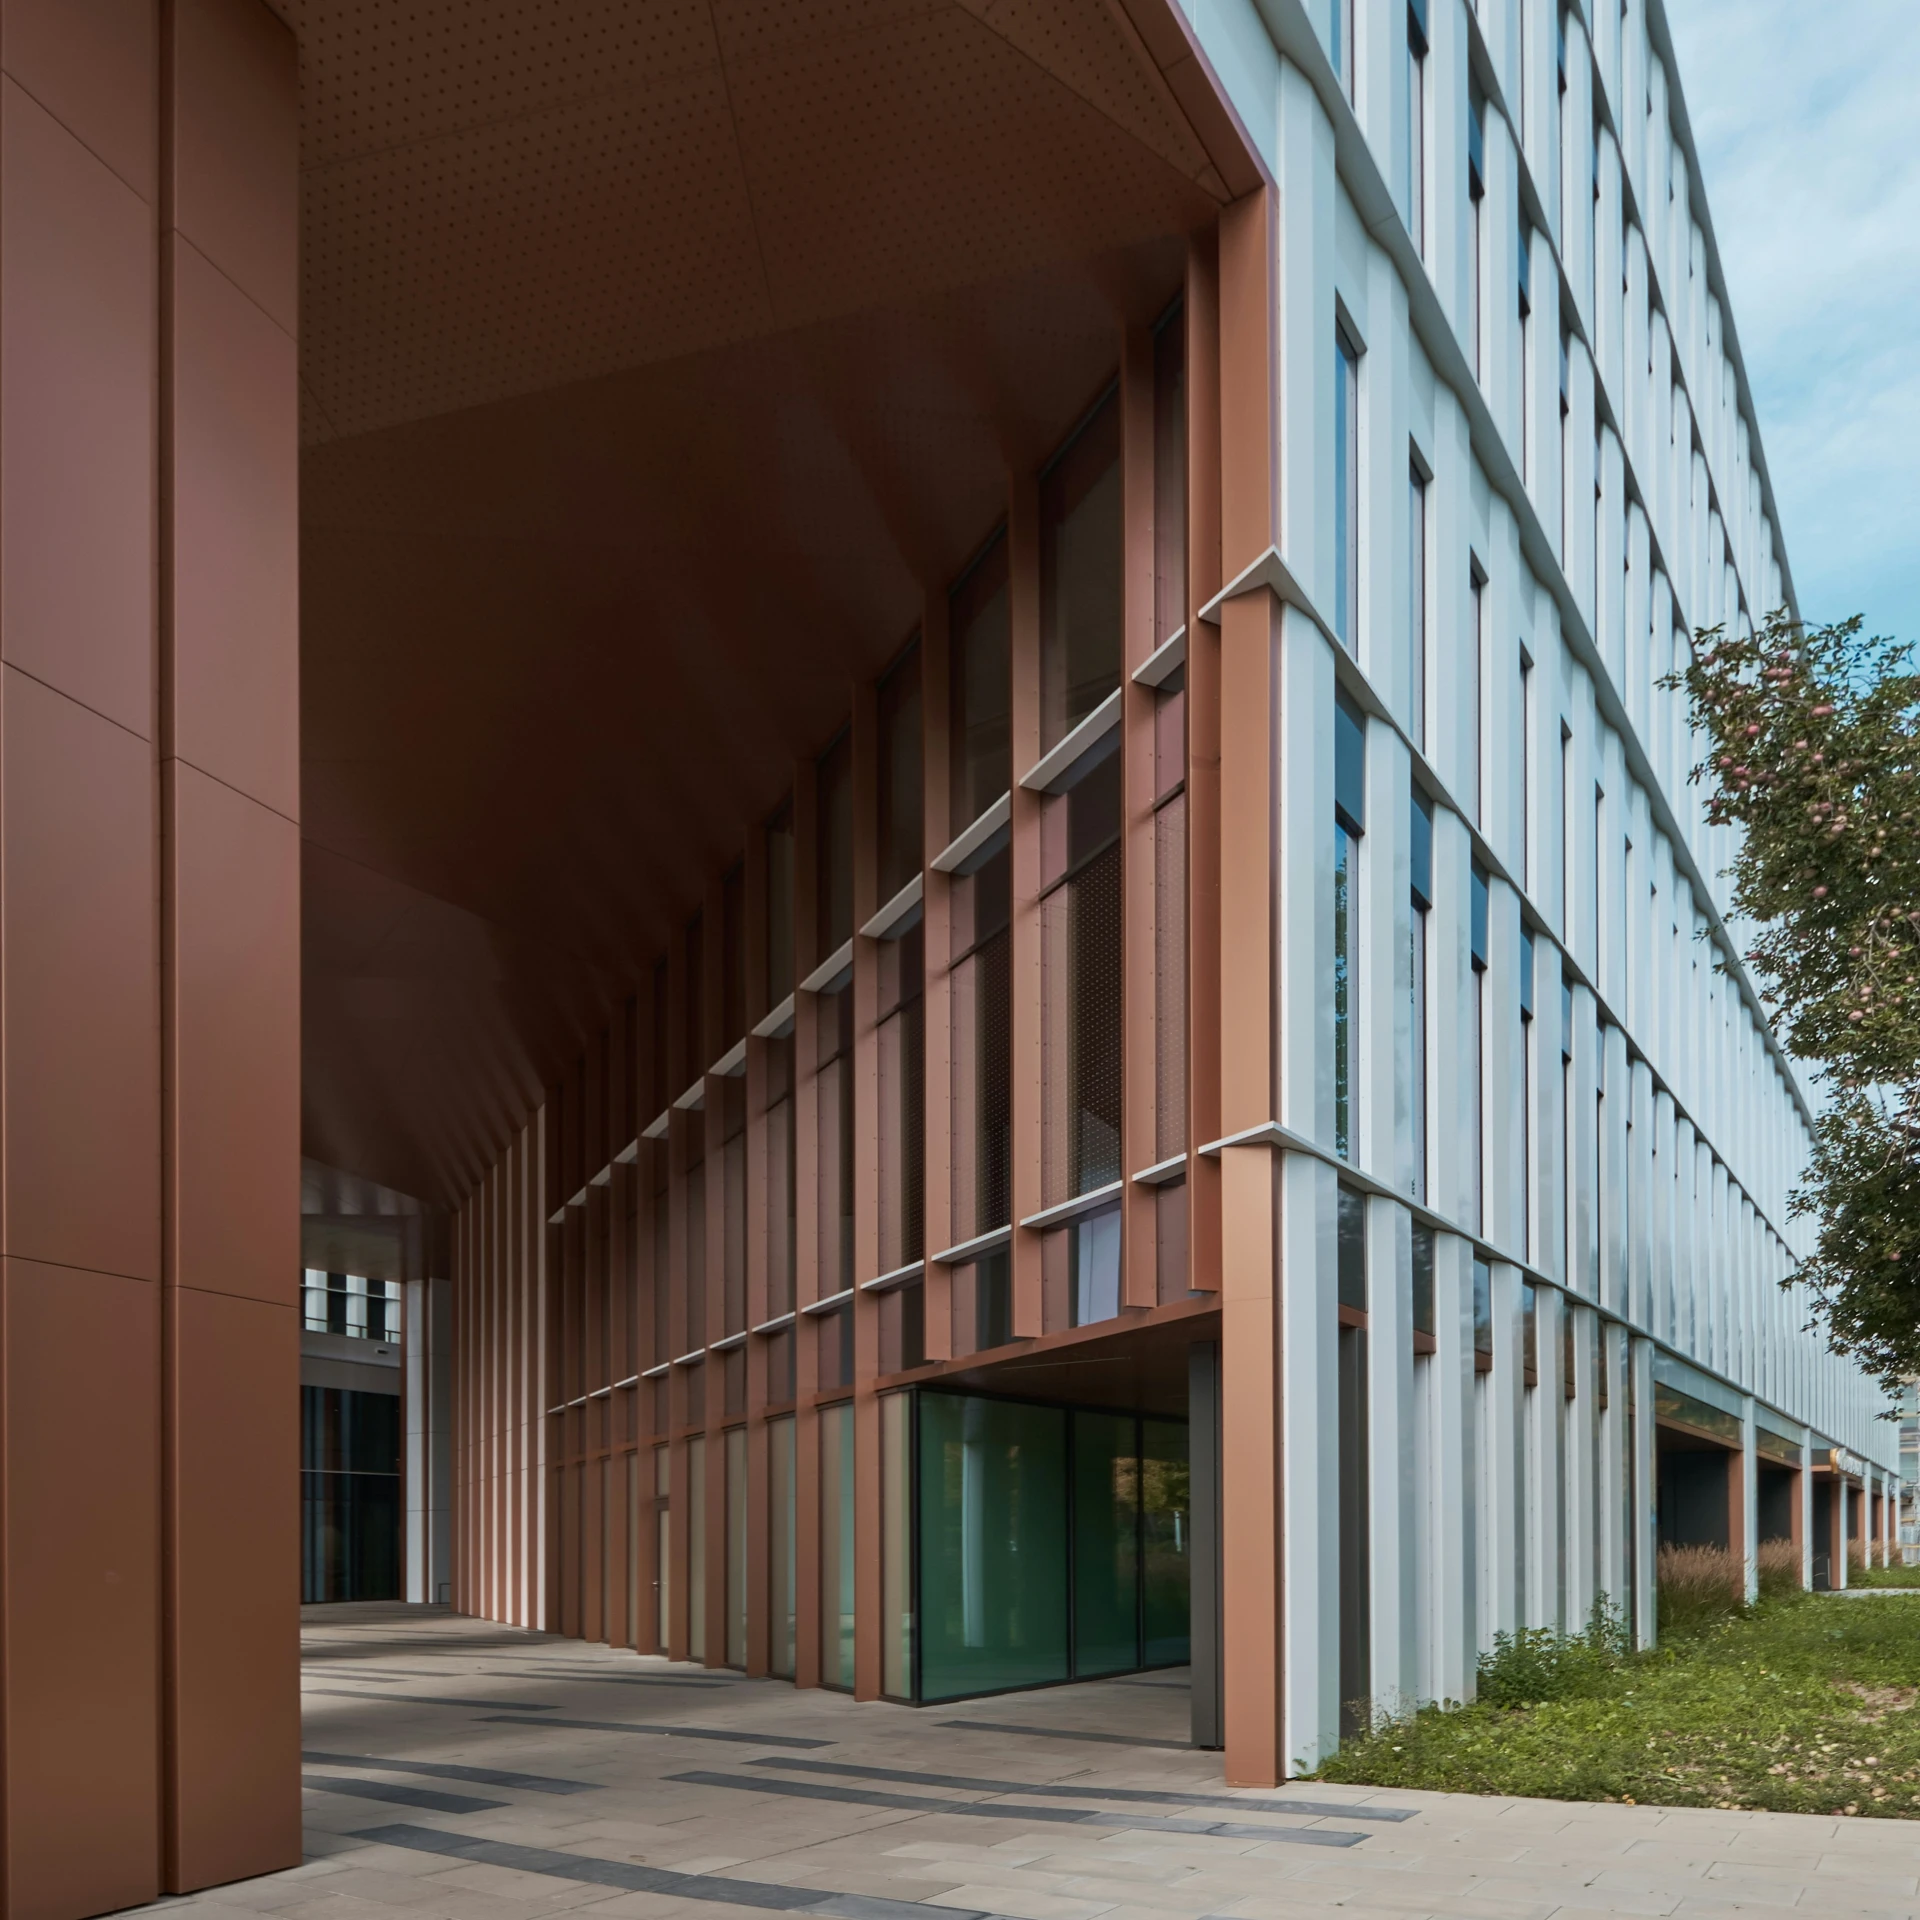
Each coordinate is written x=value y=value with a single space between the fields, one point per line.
x=655 y=359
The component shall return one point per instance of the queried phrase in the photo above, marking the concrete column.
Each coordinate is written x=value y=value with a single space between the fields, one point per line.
x=428 y=1305
x=1746 y=1486
x=1393 y=1447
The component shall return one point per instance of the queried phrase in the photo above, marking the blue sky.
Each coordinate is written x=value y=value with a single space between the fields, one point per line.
x=1806 y=114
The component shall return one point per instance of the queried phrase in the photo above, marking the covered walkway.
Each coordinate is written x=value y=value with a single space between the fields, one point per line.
x=455 y=1767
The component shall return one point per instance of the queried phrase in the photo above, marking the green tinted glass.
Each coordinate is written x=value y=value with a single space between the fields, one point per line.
x=993 y=1532
x=1106 y=1544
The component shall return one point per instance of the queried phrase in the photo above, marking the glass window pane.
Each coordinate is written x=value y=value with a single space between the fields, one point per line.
x=1080 y=573
x=836 y=1546
x=696 y=1549
x=982 y=689
x=1165 y=1543
x=896 y=1545
x=736 y=1546
x=993 y=1528
x=780 y=1545
x=1106 y=1544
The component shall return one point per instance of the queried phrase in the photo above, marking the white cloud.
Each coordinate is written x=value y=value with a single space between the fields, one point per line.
x=1806 y=114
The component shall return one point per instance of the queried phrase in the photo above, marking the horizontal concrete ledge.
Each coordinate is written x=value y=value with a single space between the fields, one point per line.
x=977 y=1248
x=960 y=854
x=831 y=971
x=776 y=1022
x=898 y=915
x=1052 y=768
x=1074 y=1208
x=1164 y=661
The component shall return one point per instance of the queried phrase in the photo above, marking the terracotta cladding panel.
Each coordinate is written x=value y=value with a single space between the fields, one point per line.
x=92 y=65
x=234 y=1725
x=82 y=1517
x=81 y=1072
x=235 y=875
x=236 y=152
x=235 y=481
x=77 y=394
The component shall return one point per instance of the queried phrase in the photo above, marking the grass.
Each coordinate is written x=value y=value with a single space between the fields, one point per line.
x=1802 y=1704
x=1859 y=1576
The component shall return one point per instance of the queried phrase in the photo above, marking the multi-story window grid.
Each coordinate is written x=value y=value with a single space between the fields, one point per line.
x=1035 y=1117
x=350 y=1304
x=1349 y=822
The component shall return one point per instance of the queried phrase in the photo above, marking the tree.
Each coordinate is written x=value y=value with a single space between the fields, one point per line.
x=1812 y=750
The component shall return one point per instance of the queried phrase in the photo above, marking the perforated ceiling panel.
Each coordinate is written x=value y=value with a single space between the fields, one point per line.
x=503 y=198
x=656 y=358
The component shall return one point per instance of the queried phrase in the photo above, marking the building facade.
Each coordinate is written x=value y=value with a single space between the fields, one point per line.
x=1224 y=1094
x=913 y=760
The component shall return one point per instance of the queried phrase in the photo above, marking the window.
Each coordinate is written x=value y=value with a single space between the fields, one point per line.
x=1417 y=124
x=1476 y=1047
x=1080 y=575
x=1568 y=1269
x=1525 y=245
x=1476 y=197
x=980 y=999
x=1566 y=408
x=780 y=905
x=1421 y=824
x=1523 y=752
x=833 y=1088
x=1482 y=1317
x=1475 y=782
x=901 y=1049
x=1170 y=915
x=1349 y=822
x=898 y=822
x=1417 y=604
x=1340 y=43
x=833 y=870
x=1526 y=1089
x=981 y=685
x=1346 y=489
x=1566 y=830
x=1170 y=477
x=1080 y=941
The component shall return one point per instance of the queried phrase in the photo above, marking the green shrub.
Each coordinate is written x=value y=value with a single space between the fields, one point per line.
x=1536 y=1664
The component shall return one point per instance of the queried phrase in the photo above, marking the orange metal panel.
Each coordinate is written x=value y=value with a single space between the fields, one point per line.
x=233 y=1038
x=78 y=988
x=93 y=65
x=235 y=164
x=77 y=392
x=233 y=608
x=232 y=1623
x=80 y=1718
x=1140 y=908
x=1023 y=587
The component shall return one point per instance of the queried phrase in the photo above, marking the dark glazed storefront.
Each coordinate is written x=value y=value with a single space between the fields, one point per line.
x=1047 y=1544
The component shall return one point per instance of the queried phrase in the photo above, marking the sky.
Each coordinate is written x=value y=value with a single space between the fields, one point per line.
x=1806 y=117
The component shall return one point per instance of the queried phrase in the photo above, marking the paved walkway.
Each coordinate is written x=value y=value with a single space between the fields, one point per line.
x=470 y=1771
